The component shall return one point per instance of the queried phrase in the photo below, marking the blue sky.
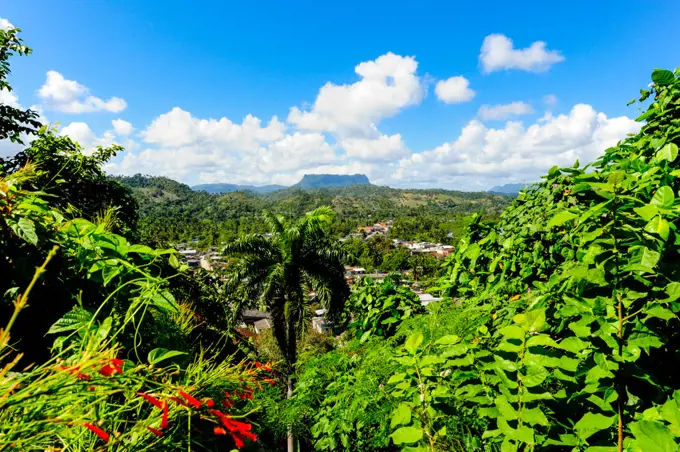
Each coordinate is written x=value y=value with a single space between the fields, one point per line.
x=171 y=69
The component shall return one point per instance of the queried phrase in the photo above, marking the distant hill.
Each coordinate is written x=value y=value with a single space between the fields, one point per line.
x=332 y=180
x=229 y=188
x=309 y=181
x=507 y=189
x=171 y=212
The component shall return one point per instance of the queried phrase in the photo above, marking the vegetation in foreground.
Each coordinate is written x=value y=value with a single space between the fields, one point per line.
x=559 y=330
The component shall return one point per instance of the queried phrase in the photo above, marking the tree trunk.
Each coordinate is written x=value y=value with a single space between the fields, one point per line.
x=291 y=438
x=292 y=358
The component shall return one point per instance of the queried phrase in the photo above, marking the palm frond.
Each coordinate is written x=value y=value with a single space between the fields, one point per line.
x=253 y=244
x=275 y=223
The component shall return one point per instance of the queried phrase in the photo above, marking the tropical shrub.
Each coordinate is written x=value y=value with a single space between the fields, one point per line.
x=581 y=281
x=376 y=309
x=105 y=382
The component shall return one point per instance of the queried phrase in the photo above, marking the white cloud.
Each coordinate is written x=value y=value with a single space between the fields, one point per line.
x=81 y=133
x=385 y=148
x=69 y=96
x=454 y=90
x=388 y=84
x=296 y=151
x=179 y=128
x=498 y=53
x=497 y=112
x=8 y=98
x=481 y=156
x=550 y=101
x=5 y=24
x=121 y=127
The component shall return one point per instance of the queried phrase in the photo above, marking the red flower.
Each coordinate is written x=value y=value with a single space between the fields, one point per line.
x=115 y=366
x=210 y=403
x=239 y=442
x=258 y=364
x=164 y=420
x=219 y=431
x=218 y=413
x=180 y=401
x=84 y=377
x=97 y=431
x=151 y=399
x=250 y=436
x=155 y=431
x=190 y=399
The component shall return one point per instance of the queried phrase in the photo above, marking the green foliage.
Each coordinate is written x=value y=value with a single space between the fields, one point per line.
x=279 y=270
x=377 y=309
x=14 y=122
x=171 y=212
x=580 y=279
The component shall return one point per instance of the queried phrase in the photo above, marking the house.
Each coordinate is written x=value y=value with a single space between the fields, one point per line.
x=257 y=320
x=261 y=325
x=355 y=271
x=426 y=298
x=320 y=325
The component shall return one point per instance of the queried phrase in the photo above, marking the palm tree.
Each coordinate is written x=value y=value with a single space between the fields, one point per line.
x=278 y=269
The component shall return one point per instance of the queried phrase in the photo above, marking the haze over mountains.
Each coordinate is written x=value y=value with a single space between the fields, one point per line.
x=308 y=181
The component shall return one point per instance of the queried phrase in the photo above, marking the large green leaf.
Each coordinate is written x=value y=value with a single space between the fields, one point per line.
x=664 y=196
x=592 y=423
x=25 y=228
x=668 y=152
x=532 y=321
x=407 y=435
x=401 y=415
x=161 y=354
x=165 y=301
x=658 y=226
x=534 y=375
x=662 y=77
x=412 y=343
x=560 y=218
x=653 y=436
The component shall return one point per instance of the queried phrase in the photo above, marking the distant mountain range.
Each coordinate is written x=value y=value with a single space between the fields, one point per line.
x=508 y=189
x=308 y=181
x=229 y=188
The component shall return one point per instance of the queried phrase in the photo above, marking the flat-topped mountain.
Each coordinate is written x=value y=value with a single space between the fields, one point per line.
x=332 y=180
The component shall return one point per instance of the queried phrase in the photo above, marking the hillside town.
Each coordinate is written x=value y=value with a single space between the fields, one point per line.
x=255 y=321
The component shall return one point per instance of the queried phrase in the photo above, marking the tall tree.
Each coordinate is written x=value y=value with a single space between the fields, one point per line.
x=279 y=269
x=14 y=122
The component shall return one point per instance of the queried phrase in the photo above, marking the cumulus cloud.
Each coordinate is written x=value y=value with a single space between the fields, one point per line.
x=121 y=127
x=454 y=90
x=5 y=24
x=480 y=156
x=69 y=96
x=8 y=98
x=81 y=133
x=383 y=149
x=179 y=128
x=388 y=84
x=498 y=53
x=497 y=112
x=294 y=152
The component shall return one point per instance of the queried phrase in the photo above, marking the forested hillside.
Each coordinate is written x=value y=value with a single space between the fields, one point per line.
x=172 y=212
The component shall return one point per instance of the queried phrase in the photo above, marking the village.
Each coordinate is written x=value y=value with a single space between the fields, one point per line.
x=255 y=321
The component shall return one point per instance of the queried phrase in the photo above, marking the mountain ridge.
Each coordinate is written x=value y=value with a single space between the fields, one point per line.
x=308 y=181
